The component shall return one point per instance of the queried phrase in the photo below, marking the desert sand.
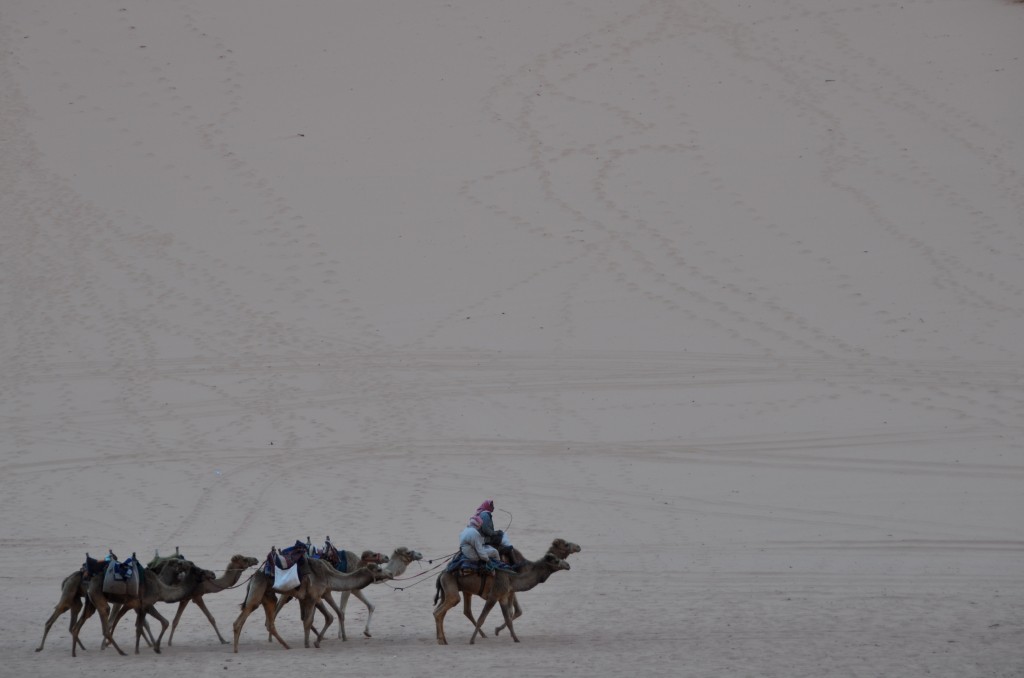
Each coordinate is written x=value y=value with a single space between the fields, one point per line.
x=730 y=294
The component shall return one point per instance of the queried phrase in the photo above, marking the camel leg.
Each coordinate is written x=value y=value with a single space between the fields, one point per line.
x=174 y=624
x=341 y=614
x=308 y=612
x=516 y=614
x=369 y=611
x=467 y=609
x=449 y=601
x=76 y=609
x=62 y=607
x=268 y=610
x=507 y=613
x=328 y=620
x=202 y=606
x=151 y=611
x=86 y=613
x=146 y=633
x=281 y=602
x=240 y=622
x=329 y=600
x=108 y=628
x=115 y=612
x=480 y=622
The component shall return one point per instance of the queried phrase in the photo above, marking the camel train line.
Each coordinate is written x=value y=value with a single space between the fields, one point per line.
x=320 y=572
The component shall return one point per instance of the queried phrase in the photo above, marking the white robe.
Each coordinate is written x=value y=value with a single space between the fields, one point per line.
x=472 y=545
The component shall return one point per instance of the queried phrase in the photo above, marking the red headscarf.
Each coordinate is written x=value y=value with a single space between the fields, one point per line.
x=488 y=506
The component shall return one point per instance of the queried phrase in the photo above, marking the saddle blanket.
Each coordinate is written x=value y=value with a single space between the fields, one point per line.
x=122 y=578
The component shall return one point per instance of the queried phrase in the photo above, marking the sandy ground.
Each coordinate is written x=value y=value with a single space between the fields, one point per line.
x=731 y=294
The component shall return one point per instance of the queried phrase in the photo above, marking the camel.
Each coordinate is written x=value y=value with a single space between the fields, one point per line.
x=152 y=590
x=559 y=547
x=495 y=589
x=324 y=579
x=353 y=563
x=395 y=566
x=71 y=594
x=232 y=573
x=318 y=576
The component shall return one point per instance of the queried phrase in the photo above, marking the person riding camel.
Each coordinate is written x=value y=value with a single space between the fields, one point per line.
x=496 y=538
x=473 y=548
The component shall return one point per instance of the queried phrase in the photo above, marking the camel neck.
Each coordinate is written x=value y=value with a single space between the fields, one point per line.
x=350 y=582
x=531 y=574
x=230 y=577
x=169 y=593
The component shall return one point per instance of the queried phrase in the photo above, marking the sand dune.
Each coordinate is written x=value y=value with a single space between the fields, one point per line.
x=730 y=295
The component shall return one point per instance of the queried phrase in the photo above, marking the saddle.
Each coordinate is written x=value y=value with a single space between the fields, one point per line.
x=285 y=558
x=92 y=567
x=333 y=556
x=462 y=566
x=284 y=565
x=122 y=578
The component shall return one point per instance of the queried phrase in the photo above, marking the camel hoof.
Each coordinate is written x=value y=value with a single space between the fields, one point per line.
x=367 y=634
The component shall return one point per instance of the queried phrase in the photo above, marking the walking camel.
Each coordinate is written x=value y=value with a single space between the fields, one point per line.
x=559 y=547
x=394 y=565
x=232 y=573
x=317 y=576
x=346 y=562
x=496 y=588
x=71 y=594
x=151 y=591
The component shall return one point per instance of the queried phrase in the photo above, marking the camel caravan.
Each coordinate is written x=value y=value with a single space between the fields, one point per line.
x=486 y=565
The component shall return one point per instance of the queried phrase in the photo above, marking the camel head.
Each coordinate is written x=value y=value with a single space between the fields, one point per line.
x=371 y=557
x=197 y=573
x=240 y=562
x=406 y=555
x=563 y=548
x=379 y=573
x=555 y=562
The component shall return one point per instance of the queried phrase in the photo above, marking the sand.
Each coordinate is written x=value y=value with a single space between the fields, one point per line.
x=730 y=294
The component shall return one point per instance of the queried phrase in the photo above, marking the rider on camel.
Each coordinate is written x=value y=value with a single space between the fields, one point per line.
x=473 y=548
x=496 y=538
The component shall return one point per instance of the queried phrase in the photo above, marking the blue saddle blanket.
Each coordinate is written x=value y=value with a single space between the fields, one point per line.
x=460 y=562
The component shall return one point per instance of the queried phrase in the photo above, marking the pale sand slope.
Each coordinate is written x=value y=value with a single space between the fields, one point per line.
x=731 y=294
